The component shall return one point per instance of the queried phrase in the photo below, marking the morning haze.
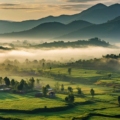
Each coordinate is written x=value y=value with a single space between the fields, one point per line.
x=59 y=60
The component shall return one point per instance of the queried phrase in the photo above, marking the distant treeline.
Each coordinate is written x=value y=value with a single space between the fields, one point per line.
x=79 y=43
x=113 y=56
x=4 y=48
x=107 y=62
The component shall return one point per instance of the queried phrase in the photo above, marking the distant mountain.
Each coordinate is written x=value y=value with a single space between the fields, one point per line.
x=48 y=30
x=100 y=13
x=109 y=31
x=96 y=14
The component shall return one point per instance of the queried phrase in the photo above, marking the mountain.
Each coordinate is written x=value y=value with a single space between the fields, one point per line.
x=48 y=30
x=97 y=14
x=109 y=30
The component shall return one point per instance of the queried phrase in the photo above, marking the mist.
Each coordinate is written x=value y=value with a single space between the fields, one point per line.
x=58 y=54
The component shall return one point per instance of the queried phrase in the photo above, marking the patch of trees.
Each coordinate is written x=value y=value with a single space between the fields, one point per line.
x=79 y=43
x=70 y=98
x=112 y=56
x=16 y=86
x=105 y=63
x=5 y=48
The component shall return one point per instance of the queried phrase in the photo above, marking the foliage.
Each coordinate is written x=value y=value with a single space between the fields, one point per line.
x=7 y=81
x=62 y=87
x=70 y=89
x=69 y=71
x=70 y=98
x=92 y=92
x=44 y=90
x=79 y=91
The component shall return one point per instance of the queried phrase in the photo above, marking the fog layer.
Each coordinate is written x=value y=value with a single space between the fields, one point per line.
x=57 y=54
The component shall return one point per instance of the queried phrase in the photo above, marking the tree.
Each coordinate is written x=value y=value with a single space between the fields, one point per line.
x=70 y=89
x=50 y=68
x=12 y=82
x=21 y=85
x=69 y=71
x=38 y=81
x=79 y=91
x=70 y=98
x=57 y=86
x=47 y=86
x=62 y=87
x=44 y=90
x=7 y=81
x=43 y=65
x=109 y=75
x=119 y=100
x=31 y=82
x=1 y=80
x=92 y=92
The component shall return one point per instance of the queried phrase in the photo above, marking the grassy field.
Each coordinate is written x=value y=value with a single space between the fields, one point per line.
x=104 y=102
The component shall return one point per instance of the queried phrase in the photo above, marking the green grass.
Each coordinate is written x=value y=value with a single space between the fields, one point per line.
x=104 y=98
x=102 y=118
x=28 y=102
x=76 y=72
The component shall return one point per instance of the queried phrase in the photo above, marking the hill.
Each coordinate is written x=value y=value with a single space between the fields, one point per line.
x=96 y=14
x=75 y=44
x=109 y=31
x=48 y=30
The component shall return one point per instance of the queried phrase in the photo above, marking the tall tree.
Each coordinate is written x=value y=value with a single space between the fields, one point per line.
x=69 y=71
x=47 y=86
x=12 y=82
x=1 y=80
x=79 y=91
x=70 y=89
x=62 y=87
x=44 y=90
x=92 y=92
x=7 y=81
x=57 y=86
x=21 y=85
x=70 y=98
x=31 y=82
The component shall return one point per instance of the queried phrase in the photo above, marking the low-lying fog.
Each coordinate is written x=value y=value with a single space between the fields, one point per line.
x=64 y=54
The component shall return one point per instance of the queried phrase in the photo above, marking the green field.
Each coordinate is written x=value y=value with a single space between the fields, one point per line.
x=103 y=103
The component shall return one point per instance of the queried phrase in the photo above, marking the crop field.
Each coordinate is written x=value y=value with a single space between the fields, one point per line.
x=102 y=106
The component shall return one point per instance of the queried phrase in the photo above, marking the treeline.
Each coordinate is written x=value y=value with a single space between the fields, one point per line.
x=30 y=66
x=113 y=56
x=108 y=62
x=79 y=43
x=6 y=84
x=5 y=48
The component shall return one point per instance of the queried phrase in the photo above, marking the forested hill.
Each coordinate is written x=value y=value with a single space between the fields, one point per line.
x=79 y=43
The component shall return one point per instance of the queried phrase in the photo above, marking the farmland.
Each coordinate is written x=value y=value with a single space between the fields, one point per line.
x=103 y=103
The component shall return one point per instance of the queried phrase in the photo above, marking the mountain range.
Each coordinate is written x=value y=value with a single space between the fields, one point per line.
x=66 y=27
x=109 y=31
x=49 y=30
x=96 y=14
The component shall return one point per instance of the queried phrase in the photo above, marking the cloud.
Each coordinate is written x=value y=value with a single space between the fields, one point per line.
x=107 y=2
x=75 y=7
x=8 y=4
x=43 y=7
x=81 y=1
x=18 y=6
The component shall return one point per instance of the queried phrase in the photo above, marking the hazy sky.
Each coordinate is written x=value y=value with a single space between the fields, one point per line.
x=19 y=10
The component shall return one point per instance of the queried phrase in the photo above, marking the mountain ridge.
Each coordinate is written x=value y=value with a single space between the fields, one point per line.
x=96 y=14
